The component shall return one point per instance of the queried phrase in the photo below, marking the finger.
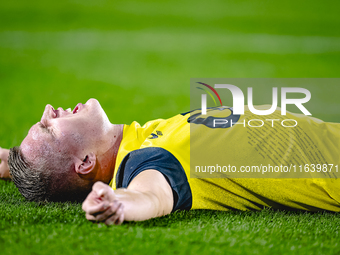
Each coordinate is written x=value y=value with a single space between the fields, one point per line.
x=98 y=186
x=114 y=217
x=4 y=154
x=90 y=200
x=3 y=163
x=103 y=190
x=4 y=171
x=114 y=206
x=90 y=217
x=96 y=209
x=121 y=217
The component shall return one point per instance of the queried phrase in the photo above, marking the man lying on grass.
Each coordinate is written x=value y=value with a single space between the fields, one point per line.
x=134 y=173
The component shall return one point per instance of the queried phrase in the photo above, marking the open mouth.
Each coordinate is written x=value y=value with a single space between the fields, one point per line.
x=77 y=108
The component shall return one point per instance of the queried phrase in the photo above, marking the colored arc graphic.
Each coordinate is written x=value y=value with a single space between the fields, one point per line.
x=213 y=90
x=208 y=92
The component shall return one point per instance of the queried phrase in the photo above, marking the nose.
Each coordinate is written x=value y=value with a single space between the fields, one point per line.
x=48 y=113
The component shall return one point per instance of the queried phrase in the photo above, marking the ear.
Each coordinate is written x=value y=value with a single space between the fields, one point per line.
x=87 y=165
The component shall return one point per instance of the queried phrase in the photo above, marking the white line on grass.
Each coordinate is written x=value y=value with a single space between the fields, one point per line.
x=161 y=41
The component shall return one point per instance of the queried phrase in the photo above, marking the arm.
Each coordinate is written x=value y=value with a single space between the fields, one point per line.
x=149 y=195
x=4 y=169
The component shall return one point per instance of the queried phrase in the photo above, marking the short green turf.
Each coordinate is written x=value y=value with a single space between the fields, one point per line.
x=57 y=228
x=137 y=58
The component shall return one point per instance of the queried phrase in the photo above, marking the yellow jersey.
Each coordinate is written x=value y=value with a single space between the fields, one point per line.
x=294 y=142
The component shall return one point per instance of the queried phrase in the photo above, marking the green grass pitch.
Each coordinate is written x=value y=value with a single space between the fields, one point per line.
x=137 y=58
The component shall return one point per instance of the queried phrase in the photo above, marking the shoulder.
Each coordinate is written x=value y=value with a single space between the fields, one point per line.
x=143 y=159
x=163 y=161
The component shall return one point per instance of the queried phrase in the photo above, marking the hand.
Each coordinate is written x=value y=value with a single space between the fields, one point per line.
x=4 y=169
x=102 y=205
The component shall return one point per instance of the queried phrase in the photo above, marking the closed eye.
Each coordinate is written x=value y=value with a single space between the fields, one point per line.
x=46 y=129
x=41 y=125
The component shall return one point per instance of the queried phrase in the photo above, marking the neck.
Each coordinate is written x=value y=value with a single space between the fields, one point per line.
x=107 y=159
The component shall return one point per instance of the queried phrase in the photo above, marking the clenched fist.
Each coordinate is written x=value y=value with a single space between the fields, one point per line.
x=4 y=169
x=102 y=205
